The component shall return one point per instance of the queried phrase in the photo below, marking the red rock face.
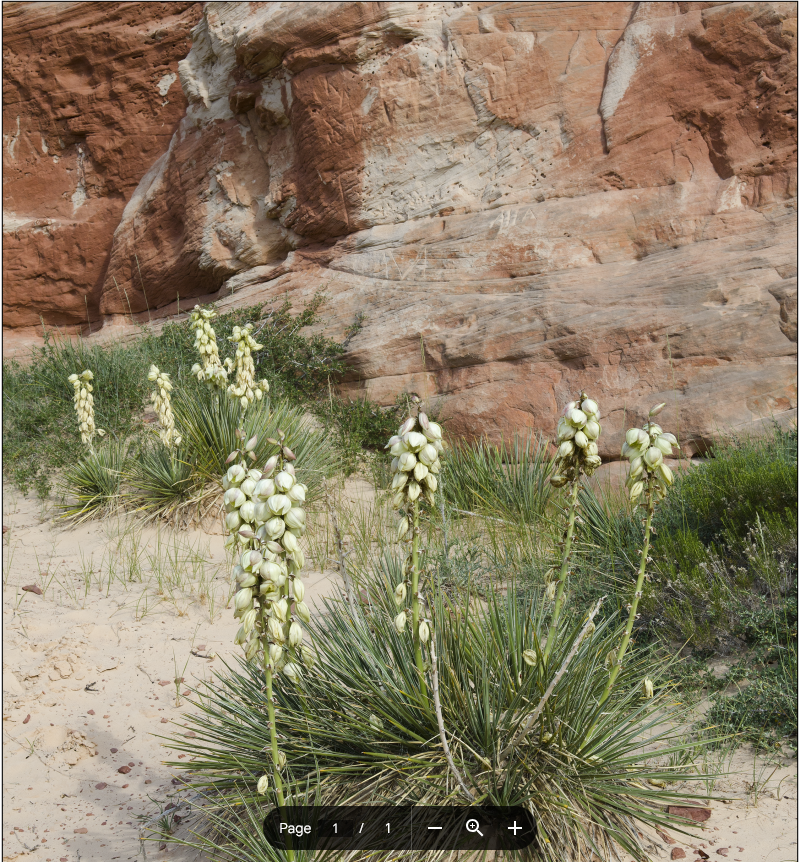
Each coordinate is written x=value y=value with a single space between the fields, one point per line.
x=90 y=101
x=545 y=196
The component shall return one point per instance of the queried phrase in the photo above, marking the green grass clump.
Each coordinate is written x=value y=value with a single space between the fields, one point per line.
x=508 y=480
x=94 y=481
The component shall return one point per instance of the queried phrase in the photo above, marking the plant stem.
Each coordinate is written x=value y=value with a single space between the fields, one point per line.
x=415 y=602
x=564 y=569
x=639 y=585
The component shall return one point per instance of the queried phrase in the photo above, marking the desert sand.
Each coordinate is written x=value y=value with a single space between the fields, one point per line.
x=88 y=688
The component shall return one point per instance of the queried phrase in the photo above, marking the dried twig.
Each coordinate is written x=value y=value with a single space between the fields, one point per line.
x=522 y=731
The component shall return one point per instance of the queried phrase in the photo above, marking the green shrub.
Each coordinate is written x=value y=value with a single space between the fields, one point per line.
x=162 y=482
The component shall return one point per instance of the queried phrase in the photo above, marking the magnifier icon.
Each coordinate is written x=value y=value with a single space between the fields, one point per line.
x=474 y=826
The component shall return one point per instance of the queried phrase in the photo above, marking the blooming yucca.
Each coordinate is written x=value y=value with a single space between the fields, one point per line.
x=163 y=407
x=211 y=369
x=645 y=448
x=84 y=406
x=245 y=388
x=265 y=518
x=577 y=433
x=416 y=448
x=577 y=454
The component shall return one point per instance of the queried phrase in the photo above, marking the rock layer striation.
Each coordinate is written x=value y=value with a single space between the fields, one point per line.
x=522 y=199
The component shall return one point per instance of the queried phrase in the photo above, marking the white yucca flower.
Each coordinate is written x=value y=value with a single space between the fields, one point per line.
x=211 y=368
x=577 y=432
x=245 y=388
x=645 y=449
x=162 y=403
x=84 y=406
x=266 y=525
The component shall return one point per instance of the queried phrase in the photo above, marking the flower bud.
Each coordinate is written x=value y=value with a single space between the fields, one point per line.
x=289 y=542
x=413 y=491
x=243 y=599
x=280 y=609
x=284 y=481
x=632 y=437
x=636 y=490
x=234 y=497
x=427 y=455
x=589 y=407
x=592 y=429
x=295 y=518
x=407 y=461
x=424 y=632
x=295 y=634
x=270 y=465
x=577 y=418
x=248 y=620
x=403 y=527
x=400 y=591
x=415 y=441
x=275 y=629
x=431 y=482
x=241 y=636
x=248 y=580
x=664 y=445
x=299 y=589
x=279 y=504
x=419 y=471
x=657 y=408
x=263 y=784
x=303 y=611
x=399 y=481
x=580 y=440
x=565 y=449
x=236 y=474
x=294 y=673
x=408 y=425
x=247 y=511
x=264 y=489
x=433 y=432
x=248 y=487
x=275 y=653
x=232 y=520
x=530 y=657
x=565 y=431
x=297 y=493
x=399 y=621
x=649 y=688
x=665 y=473
x=653 y=456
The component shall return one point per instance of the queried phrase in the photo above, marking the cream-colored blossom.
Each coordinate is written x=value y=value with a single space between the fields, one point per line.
x=162 y=403
x=211 y=368
x=245 y=388
x=84 y=406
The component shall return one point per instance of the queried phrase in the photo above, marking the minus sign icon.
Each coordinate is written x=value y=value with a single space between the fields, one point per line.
x=435 y=827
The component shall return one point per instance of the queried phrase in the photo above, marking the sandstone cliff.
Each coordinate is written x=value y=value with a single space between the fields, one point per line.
x=521 y=198
x=90 y=101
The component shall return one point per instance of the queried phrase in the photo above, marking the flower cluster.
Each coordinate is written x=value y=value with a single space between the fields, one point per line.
x=265 y=515
x=415 y=467
x=163 y=407
x=84 y=406
x=245 y=388
x=578 y=431
x=211 y=369
x=645 y=448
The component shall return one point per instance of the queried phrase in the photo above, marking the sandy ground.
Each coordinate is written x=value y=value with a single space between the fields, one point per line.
x=88 y=687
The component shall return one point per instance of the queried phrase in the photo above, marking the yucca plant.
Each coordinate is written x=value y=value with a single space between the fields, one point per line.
x=508 y=480
x=476 y=704
x=358 y=731
x=162 y=483
x=209 y=424
x=92 y=485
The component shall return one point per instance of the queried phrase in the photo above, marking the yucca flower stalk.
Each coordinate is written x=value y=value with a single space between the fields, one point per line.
x=265 y=519
x=415 y=467
x=84 y=407
x=211 y=369
x=245 y=388
x=162 y=403
x=644 y=448
x=577 y=455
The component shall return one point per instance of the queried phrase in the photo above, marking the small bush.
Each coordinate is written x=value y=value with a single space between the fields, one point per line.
x=94 y=481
